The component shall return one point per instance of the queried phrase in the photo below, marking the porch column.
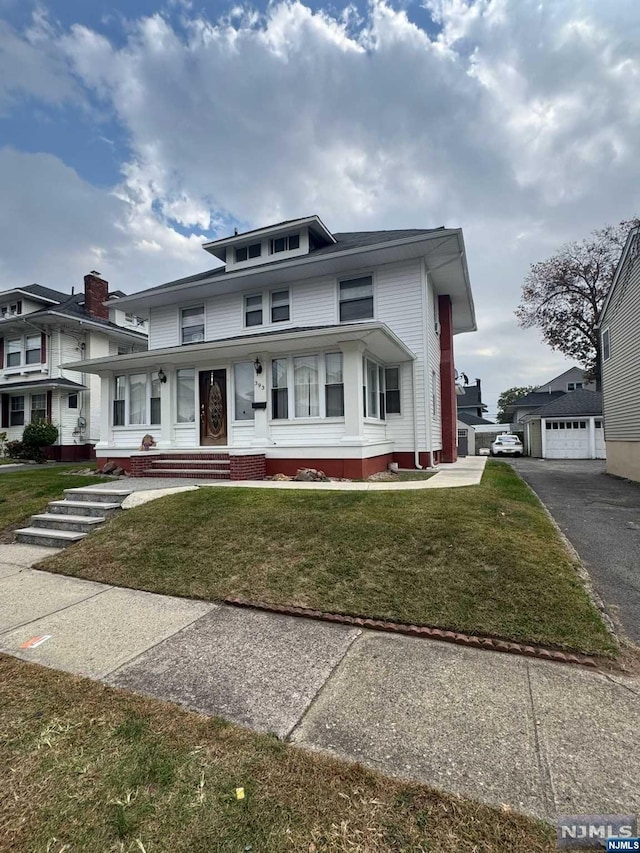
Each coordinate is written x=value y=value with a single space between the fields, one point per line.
x=260 y=388
x=353 y=378
x=106 y=407
x=167 y=409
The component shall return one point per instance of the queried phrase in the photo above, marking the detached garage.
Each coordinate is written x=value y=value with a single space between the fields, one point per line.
x=570 y=427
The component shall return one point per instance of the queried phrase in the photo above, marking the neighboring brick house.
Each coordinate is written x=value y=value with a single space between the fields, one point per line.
x=41 y=331
x=306 y=347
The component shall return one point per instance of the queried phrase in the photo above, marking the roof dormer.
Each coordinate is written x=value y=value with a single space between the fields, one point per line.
x=279 y=242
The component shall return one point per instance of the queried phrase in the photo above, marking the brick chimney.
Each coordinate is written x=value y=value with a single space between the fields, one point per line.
x=96 y=291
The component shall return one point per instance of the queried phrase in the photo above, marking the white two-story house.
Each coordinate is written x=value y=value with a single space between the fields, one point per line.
x=305 y=348
x=41 y=331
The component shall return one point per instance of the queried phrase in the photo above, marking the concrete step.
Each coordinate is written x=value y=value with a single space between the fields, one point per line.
x=190 y=463
x=97 y=495
x=48 y=538
x=192 y=473
x=73 y=523
x=82 y=508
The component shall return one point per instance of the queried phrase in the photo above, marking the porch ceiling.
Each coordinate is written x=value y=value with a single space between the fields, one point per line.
x=379 y=340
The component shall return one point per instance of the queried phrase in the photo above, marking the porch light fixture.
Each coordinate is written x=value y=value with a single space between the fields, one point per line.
x=258 y=366
x=162 y=376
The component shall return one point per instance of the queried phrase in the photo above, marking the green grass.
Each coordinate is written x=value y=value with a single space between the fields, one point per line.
x=84 y=767
x=484 y=559
x=27 y=491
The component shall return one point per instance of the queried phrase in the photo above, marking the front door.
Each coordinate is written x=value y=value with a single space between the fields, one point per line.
x=213 y=407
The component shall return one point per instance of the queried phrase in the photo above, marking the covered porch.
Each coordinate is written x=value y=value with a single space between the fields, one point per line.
x=320 y=397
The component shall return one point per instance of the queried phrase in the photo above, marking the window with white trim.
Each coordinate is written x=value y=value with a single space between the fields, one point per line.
x=372 y=390
x=32 y=348
x=334 y=385
x=119 y=400
x=192 y=325
x=305 y=386
x=280 y=306
x=154 y=399
x=72 y=401
x=606 y=345
x=248 y=253
x=284 y=244
x=392 y=390
x=38 y=406
x=14 y=352
x=253 y=310
x=280 y=388
x=186 y=395
x=136 y=400
x=574 y=386
x=244 y=390
x=356 y=299
x=16 y=411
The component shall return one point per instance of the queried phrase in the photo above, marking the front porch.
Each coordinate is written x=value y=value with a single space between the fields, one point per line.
x=334 y=398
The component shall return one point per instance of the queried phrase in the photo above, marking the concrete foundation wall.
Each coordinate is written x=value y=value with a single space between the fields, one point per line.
x=623 y=459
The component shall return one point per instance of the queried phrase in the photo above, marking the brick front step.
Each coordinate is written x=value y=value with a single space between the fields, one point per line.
x=205 y=466
x=190 y=463
x=193 y=473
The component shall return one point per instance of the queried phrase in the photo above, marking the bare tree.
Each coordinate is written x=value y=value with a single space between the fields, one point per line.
x=563 y=296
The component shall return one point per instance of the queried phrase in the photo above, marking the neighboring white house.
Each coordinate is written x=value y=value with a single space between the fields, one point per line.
x=620 y=349
x=306 y=348
x=571 y=380
x=569 y=427
x=41 y=330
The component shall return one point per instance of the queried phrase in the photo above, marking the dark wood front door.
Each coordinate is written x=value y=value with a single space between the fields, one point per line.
x=213 y=407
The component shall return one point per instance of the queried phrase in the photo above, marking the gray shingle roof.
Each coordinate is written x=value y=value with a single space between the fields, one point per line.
x=473 y=420
x=535 y=398
x=44 y=292
x=573 y=403
x=471 y=398
x=49 y=383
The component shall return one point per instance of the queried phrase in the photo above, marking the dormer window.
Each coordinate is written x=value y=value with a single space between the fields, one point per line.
x=244 y=253
x=284 y=244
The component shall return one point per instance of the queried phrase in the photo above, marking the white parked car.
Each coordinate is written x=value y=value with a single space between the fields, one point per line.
x=507 y=445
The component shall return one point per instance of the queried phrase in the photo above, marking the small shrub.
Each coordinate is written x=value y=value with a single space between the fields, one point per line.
x=36 y=435
x=15 y=450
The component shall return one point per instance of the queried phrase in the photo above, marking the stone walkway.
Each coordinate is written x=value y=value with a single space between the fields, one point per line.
x=541 y=738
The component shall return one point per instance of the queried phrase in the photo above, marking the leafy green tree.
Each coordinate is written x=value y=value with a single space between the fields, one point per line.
x=564 y=295
x=507 y=398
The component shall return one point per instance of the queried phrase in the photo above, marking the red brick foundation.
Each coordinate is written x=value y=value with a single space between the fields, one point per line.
x=352 y=469
x=70 y=452
x=247 y=467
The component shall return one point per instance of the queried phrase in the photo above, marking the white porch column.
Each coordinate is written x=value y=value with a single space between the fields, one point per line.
x=543 y=436
x=260 y=393
x=106 y=407
x=353 y=378
x=167 y=409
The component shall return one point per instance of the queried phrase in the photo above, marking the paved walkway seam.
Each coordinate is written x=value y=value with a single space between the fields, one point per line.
x=475 y=641
x=543 y=764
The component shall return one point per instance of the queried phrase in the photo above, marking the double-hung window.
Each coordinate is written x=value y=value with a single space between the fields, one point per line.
x=119 y=400
x=606 y=345
x=305 y=386
x=186 y=395
x=253 y=310
x=392 y=390
x=14 y=352
x=334 y=385
x=192 y=325
x=154 y=399
x=16 y=411
x=356 y=299
x=32 y=349
x=38 y=407
x=244 y=389
x=279 y=306
x=279 y=388
x=373 y=400
x=136 y=399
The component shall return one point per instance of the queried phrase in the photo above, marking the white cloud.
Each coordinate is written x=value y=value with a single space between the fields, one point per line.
x=517 y=120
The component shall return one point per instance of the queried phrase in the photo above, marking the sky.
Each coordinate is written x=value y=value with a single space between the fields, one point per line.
x=133 y=131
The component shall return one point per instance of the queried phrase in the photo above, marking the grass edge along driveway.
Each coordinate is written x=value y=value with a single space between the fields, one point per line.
x=484 y=559
x=99 y=769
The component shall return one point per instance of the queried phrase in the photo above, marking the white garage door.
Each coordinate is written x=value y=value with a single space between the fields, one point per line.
x=567 y=439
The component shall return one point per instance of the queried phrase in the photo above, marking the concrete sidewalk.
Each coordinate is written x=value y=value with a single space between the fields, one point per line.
x=541 y=738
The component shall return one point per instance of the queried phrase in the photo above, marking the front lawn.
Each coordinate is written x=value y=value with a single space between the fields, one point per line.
x=27 y=491
x=484 y=559
x=84 y=767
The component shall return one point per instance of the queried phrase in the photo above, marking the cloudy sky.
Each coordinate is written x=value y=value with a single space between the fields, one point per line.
x=131 y=131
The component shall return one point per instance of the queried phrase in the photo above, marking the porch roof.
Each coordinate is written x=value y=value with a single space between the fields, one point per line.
x=378 y=338
x=42 y=385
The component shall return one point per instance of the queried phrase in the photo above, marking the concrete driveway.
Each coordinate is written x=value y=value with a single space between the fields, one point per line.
x=600 y=515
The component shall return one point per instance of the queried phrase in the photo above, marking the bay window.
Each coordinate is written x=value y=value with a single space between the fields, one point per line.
x=279 y=388
x=334 y=385
x=373 y=401
x=305 y=386
x=186 y=396
x=244 y=391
